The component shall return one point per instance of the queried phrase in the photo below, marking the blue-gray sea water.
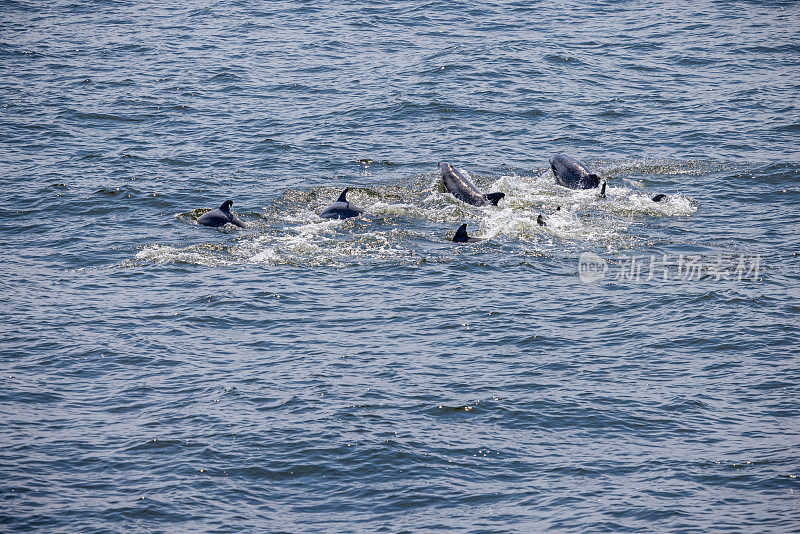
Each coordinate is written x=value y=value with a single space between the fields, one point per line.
x=631 y=366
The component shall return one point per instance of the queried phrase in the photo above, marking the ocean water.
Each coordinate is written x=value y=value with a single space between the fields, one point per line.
x=631 y=366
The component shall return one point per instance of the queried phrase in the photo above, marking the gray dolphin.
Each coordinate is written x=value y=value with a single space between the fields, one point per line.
x=572 y=173
x=462 y=237
x=341 y=209
x=461 y=188
x=220 y=216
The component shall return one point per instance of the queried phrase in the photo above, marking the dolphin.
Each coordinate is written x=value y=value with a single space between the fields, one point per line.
x=461 y=188
x=572 y=173
x=220 y=216
x=341 y=209
x=661 y=197
x=541 y=221
x=462 y=237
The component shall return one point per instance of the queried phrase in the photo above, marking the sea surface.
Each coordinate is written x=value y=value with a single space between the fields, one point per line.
x=631 y=366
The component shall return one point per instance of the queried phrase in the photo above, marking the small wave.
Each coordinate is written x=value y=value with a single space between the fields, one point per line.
x=206 y=255
x=192 y=215
x=318 y=244
x=787 y=128
x=667 y=167
x=99 y=116
x=563 y=59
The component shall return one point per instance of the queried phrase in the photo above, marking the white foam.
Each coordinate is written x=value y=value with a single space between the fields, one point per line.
x=299 y=236
x=165 y=254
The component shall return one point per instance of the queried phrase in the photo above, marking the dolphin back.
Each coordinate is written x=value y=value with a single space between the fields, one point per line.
x=237 y=221
x=460 y=187
x=494 y=198
x=341 y=210
x=217 y=218
x=571 y=173
x=220 y=216
x=213 y=218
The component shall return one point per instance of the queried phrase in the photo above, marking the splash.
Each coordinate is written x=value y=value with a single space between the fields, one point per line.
x=413 y=222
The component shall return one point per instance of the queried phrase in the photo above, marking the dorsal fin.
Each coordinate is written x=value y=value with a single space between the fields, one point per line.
x=494 y=198
x=343 y=196
x=603 y=191
x=659 y=197
x=461 y=234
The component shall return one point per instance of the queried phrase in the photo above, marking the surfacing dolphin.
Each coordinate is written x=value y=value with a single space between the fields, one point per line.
x=461 y=188
x=220 y=216
x=541 y=220
x=341 y=209
x=462 y=237
x=572 y=173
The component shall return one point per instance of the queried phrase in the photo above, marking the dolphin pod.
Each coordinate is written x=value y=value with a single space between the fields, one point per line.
x=568 y=172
